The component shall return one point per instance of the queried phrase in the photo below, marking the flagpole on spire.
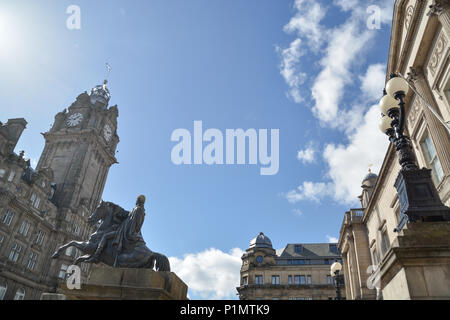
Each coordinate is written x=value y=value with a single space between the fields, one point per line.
x=108 y=71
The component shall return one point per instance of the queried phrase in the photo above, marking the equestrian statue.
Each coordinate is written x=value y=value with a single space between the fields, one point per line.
x=117 y=240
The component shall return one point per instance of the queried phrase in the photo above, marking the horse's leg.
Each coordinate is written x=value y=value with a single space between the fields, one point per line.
x=64 y=247
x=107 y=236
x=82 y=259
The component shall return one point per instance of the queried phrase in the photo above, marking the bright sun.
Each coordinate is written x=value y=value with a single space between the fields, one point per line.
x=8 y=39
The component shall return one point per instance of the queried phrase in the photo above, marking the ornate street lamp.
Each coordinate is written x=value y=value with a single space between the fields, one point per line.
x=338 y=280
x=418 y=197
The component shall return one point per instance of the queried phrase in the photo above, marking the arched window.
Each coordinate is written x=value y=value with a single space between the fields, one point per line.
x=20 y=294
x=3 y=288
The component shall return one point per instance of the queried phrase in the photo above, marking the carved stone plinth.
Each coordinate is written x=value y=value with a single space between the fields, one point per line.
x=107 y=283
x=417 y=266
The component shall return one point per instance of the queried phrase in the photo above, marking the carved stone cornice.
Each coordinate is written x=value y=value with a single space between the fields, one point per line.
x=438 y=7
x=415 y=74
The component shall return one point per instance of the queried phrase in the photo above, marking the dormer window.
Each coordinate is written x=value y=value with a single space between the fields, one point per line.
x=12 y=174
x=298 y=248
x=333 y=248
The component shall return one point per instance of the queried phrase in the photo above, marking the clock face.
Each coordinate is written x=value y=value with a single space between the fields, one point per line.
x=259 y=259
x=107 y=132
x=74 y=119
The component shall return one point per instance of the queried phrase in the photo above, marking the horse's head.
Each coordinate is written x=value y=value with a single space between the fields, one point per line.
x=100 y=213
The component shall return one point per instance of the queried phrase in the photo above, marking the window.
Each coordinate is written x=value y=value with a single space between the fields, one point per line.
x=31 y=263
x=275 y=279
x=15 y=252
x=76 y=229
x=24 y=228
x=2 y=173
x=3 y=289
x=309 y=280
x=329 y=279
x=333 y=248
x=69 y=251
x=258 y=279
x=298 y=248
x=299 y=279
x=11 y=176
x=40 y=236
x=431 y=158
x=289 y=279
x=7 y=217
x=84 y=268
x=20 y=294
x=1 y=240
x=244 y=281
x=385 y=244
x=375 y=257
x=35 y=200
x=62 y=271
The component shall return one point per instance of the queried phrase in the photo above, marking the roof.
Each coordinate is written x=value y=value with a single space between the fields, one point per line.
x=309 y=250
x=370 y=175
x=261 y=241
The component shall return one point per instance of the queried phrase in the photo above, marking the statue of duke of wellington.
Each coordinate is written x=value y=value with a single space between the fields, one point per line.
x=118 y=241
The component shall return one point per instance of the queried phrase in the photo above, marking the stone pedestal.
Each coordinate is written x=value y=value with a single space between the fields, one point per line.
x=417 y=266
x=106 y=283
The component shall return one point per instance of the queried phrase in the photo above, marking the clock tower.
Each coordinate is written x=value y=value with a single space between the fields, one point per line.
x=80 y=148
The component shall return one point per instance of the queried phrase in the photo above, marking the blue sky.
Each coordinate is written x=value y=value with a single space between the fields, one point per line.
x=312 y=69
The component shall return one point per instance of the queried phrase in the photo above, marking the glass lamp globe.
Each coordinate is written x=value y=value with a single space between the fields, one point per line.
x=396 y=84
x=387 y=103
x=385 y=123
x=335 y=267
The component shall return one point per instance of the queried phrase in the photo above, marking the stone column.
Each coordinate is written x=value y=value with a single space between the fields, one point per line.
x=346 y=276
x=356 y=286
x=441 y=9
x=437 y=130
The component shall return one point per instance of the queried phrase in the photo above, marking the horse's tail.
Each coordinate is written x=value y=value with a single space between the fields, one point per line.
x=161 y=262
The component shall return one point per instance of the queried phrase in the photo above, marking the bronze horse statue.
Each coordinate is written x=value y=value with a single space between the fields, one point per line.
x=101 y=248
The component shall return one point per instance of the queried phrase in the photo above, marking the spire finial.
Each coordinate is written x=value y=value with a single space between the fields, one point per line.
x=370 y=165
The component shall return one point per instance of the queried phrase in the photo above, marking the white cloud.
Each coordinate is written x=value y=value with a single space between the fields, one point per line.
x=331 y=239
x=307 y=155
x=313 y=191
x=341 y=51
x=348 y=164
x=297 y=212
x=211 y=274
x=346 y=43
x=372 y=83
x=306 y=22
x=346 y=5
x=289 y=69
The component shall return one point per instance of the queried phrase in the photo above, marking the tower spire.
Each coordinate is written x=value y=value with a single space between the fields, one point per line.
x=101 y=92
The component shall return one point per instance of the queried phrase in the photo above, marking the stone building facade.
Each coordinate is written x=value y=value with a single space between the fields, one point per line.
x=296 y=272
x=44 y=207
x=415 y=262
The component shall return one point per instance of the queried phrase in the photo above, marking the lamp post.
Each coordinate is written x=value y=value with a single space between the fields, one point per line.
x=336 y=268
x=418 y=197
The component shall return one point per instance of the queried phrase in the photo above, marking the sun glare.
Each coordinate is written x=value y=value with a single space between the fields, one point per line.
x=8 y=35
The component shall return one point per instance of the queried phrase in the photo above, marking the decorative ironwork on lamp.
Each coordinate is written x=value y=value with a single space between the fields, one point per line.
x=418 y=197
